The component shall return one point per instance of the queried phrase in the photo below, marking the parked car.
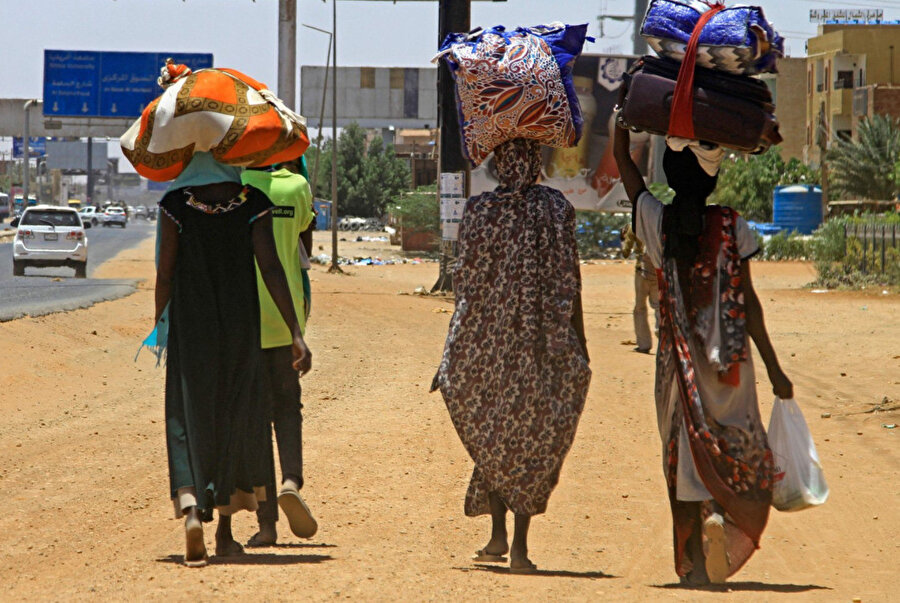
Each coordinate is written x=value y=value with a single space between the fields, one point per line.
x=49 y=236
x=115 y=216
x=90 y=216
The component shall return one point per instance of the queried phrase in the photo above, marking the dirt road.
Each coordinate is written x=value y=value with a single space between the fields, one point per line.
x=84 y=477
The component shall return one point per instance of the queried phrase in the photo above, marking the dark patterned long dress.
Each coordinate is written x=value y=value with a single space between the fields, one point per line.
x=213 y=423
x=514 y=375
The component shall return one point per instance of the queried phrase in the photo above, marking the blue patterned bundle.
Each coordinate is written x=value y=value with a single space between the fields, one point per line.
x=737 y=40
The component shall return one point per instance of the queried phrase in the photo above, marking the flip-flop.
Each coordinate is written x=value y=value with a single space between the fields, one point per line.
x=485 y=557
x=256 y=541
x=716 y=555
x=528 y=569
x=193 y=535
x=300 y=518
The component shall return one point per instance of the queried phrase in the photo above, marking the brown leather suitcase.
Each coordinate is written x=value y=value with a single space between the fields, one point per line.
x=730 y=110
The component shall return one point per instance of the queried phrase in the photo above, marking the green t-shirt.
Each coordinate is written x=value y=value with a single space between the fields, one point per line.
x=291 y=215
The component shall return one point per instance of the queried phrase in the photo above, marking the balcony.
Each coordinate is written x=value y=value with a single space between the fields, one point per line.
x=841 y=102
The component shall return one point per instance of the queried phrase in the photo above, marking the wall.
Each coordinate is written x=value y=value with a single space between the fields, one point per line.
x=789 y=92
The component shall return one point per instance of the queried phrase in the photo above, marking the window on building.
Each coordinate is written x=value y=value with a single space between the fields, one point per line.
x=827 y=74
x=809 y=81
x=398 y=77
x=843 y=79
x=845 y=134
x=366 y=77
x=820 y=75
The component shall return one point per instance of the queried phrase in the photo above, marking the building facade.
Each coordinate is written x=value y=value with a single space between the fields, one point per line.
x=842 y=59
x=788 y=88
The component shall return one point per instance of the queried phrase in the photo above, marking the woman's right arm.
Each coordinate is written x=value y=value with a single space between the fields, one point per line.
x=165 y=271
x=276 y=282
x=756 y=328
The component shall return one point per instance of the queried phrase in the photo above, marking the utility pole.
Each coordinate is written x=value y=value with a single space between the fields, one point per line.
x=453 y=16
x=90 y=171
x=287 y=52
x=640 y=44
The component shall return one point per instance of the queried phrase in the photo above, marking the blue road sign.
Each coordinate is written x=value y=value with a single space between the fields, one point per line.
x=106 y=84
x=37 y=147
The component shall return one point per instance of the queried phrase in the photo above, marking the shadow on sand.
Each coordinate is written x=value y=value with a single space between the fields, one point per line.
x=253 y=559
x=504 y=569
x=749 y=587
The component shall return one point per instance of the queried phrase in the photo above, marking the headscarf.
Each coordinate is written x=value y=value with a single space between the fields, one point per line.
x=692 y=185
x=204 y=169
x=518 y=164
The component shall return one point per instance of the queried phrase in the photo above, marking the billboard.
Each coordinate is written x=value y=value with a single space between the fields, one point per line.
x=587 y=174
x=373 y=97
x=37 y=146
x=72 y=155
x=80 y=83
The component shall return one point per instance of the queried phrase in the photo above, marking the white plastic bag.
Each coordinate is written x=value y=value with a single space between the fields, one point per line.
x=799 y=481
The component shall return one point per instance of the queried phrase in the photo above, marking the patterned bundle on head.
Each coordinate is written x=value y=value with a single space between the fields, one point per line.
x=515 y=85
x=234 y=117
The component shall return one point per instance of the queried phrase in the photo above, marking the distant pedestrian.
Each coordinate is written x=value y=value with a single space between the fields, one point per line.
x=645 y=290
x=716 y=456
x=211 y=230
x=280 y=387
x=514 y=374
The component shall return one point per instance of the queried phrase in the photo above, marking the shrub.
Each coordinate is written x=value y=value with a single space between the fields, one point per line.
x=786 y=246
x=419 y=210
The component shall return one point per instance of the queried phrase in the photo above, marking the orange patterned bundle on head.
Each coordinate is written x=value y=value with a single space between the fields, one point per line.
x=234 y=117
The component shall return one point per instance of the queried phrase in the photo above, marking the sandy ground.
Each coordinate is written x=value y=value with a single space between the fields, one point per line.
x=83 y=464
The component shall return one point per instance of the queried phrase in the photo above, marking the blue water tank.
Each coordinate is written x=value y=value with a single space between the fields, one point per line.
x=323 y=214
x=797 y=207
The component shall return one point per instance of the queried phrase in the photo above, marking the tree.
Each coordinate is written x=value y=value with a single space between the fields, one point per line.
x=748 y=185
x=367 y=177
x=865 y=168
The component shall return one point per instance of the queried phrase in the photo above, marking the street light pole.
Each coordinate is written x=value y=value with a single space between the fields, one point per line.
x=335 y=267
x=315 y=174
x=26 y=178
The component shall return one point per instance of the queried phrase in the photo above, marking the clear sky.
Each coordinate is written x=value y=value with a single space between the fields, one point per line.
x=243 y=34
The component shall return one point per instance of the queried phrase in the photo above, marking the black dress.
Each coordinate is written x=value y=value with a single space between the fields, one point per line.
x=215 y=431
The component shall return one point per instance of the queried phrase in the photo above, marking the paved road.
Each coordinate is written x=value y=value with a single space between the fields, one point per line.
x=48 y=290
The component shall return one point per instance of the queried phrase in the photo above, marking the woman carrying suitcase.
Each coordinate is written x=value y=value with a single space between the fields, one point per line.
x=716 y=457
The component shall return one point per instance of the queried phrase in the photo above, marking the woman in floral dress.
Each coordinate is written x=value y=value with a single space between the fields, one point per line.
x=515 y=374
x=716 y=457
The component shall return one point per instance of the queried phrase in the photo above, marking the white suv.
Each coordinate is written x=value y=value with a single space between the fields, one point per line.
x=50 y=236
x=90 y=216
x=115 y=215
